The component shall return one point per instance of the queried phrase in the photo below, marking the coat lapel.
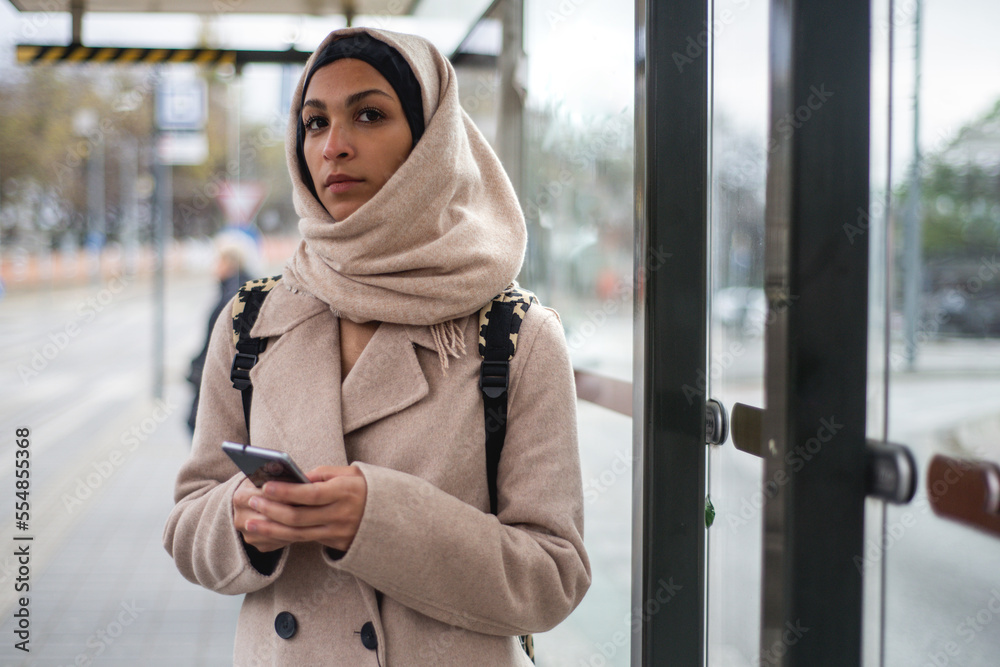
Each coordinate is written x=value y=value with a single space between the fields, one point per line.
x=296 y=402
x=284 y=310
x=387 y=378
x=302 y=365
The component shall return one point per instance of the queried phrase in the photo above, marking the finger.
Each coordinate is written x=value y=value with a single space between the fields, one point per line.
x=241 y=499
x=297 y=516
x=326 y=492
x=328 y=535
x=266 y=530
x=248 y=524
x=279 y=490
x=323 y=473
x=243 y=518
x=345 y=507
x=262 y=542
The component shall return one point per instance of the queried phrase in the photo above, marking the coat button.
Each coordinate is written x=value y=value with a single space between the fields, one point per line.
x=368 y=637
x=285 y=625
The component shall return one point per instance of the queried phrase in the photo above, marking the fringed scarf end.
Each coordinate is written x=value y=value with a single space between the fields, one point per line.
x=448 y=341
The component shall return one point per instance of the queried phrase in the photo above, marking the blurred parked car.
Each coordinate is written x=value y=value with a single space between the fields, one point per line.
x=961 y=311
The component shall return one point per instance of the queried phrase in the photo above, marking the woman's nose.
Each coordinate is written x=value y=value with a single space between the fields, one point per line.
x=338 y=143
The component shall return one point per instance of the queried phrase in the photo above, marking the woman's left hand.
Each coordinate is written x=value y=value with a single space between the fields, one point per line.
x=327 y=511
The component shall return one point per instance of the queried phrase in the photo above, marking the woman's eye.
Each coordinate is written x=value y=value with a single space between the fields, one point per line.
x=370 y=115
x=313 y=123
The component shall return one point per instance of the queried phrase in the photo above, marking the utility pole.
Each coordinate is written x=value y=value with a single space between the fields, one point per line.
x=912 y=231
x=96 y=208
x=128 y=174
x=510 y=133
x=162 y=233
x=181 y=110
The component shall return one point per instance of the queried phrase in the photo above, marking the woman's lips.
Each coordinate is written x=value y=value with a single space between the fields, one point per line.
x=341 y=186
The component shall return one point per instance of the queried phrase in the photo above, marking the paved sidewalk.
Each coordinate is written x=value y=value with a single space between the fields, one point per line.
x=110 y=594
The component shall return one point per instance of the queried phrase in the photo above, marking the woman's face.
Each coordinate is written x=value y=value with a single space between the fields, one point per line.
x=356 y=134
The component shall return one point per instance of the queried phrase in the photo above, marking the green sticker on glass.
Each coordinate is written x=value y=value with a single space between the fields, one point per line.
x=709 y=512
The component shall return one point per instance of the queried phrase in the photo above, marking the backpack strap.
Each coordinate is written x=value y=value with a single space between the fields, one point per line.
x=499 y=324
x=246 y=307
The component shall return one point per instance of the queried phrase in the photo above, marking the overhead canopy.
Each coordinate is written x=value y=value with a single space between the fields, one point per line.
x=313 y=7
x=445 y=15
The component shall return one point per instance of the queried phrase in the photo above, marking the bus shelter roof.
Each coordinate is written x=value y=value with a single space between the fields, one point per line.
x=307 y=7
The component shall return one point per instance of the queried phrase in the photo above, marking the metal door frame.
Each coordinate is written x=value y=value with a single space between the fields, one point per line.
x=816 y=345
x=816 y=279
x=671 y=237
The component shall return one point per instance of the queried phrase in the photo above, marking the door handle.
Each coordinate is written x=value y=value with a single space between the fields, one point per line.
x=892 y=471
x=965 y=491
x=747 y=425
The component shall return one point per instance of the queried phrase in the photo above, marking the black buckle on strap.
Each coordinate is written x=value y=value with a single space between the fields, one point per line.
x=240 y=372
x=493 y=378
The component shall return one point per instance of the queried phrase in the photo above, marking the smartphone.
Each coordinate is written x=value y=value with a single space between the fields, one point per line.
x=264 y=465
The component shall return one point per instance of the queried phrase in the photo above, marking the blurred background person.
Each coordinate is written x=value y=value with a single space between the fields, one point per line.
x=237 y=261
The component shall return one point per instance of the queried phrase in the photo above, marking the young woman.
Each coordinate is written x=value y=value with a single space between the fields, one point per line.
x=370 y=380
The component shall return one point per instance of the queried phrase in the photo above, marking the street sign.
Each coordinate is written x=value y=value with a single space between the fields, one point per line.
x=241 y=201
x=181 y=104
x=182 y=148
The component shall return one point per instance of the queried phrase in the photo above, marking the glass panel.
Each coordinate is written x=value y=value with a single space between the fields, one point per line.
x=874 y=223
x=941 y=600
x=738 y=307
x=577 y=199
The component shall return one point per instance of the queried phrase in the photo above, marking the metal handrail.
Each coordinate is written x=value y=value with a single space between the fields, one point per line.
x=604 y=391
x=965 y=491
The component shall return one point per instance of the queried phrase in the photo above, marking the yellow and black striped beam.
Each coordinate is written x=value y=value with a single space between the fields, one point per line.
x=50 y=54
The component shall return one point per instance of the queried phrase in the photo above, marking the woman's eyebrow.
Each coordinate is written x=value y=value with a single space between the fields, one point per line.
x=350 y=101
x=319 y=104
x=356 y=97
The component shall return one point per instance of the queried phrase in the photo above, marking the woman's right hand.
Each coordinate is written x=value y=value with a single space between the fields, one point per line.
x=243 y=513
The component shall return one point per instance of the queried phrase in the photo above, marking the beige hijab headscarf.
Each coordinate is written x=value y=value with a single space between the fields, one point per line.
x=443 y=236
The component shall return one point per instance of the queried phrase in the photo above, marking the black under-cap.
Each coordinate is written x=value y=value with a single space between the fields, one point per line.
x=388 y=62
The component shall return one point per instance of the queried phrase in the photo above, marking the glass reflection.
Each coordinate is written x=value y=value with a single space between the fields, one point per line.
x=577 y=199
x=738 y=313
x=943 y=353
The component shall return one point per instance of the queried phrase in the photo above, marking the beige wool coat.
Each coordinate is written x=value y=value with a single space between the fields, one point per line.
x=439 y=579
